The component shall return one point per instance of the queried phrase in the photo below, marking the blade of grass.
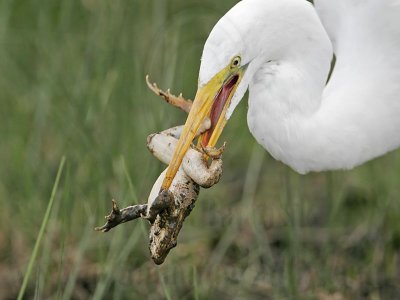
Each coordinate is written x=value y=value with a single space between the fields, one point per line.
x=44 y=261
x=41 y=231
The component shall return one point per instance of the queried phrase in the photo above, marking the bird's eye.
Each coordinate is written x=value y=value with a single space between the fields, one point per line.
x=235 y=62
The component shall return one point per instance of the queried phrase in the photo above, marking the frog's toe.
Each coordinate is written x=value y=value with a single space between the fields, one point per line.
x=213 y=152
x=112 y=219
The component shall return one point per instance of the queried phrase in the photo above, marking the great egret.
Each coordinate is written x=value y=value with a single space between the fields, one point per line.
x=281 y=50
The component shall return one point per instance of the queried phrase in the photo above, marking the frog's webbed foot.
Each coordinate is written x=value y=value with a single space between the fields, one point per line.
x=118 y=216
x=177 y=101
x=213 y=152
x=165 y=200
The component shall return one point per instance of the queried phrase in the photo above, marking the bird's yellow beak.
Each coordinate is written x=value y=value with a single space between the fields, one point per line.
x=212 y=100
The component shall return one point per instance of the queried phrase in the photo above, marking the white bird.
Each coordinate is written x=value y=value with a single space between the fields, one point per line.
x=281 y=51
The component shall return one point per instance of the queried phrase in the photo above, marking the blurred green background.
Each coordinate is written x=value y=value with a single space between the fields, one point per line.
x=72 y=83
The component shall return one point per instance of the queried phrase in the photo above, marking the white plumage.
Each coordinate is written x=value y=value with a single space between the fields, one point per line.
x=288 y=46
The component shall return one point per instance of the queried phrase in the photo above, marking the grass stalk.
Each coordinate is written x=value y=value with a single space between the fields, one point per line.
x=41 y=231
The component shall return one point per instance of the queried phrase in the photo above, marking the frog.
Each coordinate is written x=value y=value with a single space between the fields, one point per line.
x=166 y=210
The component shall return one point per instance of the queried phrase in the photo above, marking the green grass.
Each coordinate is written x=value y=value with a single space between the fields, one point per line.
x=41 y=232
x=72 y=83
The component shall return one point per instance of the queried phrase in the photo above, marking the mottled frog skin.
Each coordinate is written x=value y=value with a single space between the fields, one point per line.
x=166 y=210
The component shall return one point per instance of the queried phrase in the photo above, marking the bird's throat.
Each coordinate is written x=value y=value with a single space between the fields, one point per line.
x=220 y=104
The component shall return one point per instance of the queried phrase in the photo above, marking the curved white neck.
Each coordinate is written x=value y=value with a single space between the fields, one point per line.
x=283 y=99
x=290 y=115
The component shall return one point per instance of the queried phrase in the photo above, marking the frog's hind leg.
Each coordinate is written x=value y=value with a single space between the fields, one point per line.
x=177 y=101
x=162 y=145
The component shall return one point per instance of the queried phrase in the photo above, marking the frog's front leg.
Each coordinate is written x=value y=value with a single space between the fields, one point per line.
x=162 y=145
x=118 y=216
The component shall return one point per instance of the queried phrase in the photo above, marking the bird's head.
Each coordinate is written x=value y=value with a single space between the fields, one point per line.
x=248 y=36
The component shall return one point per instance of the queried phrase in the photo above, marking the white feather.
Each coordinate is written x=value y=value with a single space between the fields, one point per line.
x=308 y=126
